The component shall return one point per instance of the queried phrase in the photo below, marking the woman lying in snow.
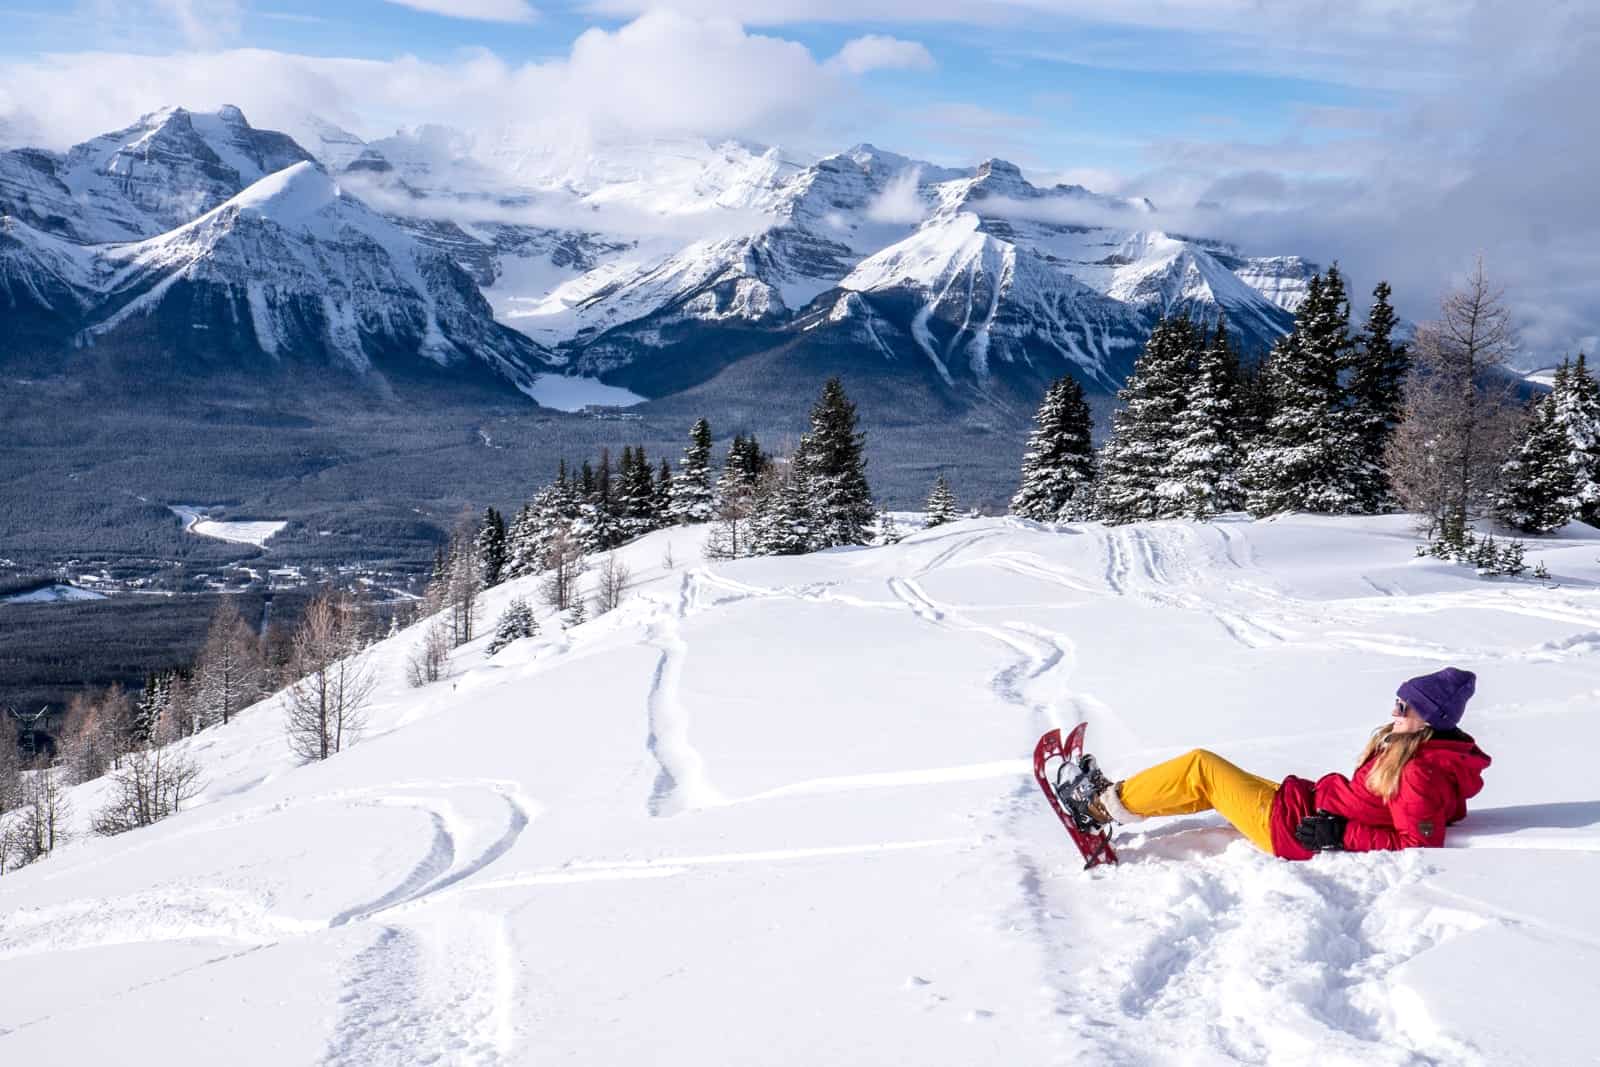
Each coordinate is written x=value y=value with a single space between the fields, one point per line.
x=1411 y=782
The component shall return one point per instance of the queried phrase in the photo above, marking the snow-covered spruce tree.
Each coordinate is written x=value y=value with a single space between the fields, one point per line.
x=151 y=707
x=663 y=497
x=515 y=623
x=784 y=523
x=1577 y=417
x=1204 y=472
x=1377 y=391
x=557 y=509
x=1538 y=483
x=1307 y=458
x=692 y=498
x=522 y=540
x=941 y=505
x=491 y=548
x=1058 y=468
x=841 y=501
x=889 y=532
x=637 y=494
x=599 y=526
x=1136 y=460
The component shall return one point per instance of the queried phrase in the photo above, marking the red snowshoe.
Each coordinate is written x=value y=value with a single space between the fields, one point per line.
x=1057 y=767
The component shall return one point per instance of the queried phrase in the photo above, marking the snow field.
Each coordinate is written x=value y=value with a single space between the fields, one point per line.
x=242 y=532
x=780 y=811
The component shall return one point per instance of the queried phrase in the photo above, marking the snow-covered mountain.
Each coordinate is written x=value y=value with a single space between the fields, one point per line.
x=652 y=265
x=270 y=263
x=780 y=811
x=964 y=272
x=167 y=169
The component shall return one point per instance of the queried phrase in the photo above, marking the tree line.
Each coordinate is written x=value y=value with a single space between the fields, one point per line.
x=1332 y=421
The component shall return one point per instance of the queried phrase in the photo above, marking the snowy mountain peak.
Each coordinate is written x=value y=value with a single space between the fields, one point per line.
x=300 y=195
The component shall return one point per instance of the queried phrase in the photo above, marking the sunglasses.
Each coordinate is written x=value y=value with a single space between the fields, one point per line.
x=1401 y=706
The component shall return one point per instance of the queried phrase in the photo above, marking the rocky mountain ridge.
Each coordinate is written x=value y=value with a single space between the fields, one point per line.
x=657 y=266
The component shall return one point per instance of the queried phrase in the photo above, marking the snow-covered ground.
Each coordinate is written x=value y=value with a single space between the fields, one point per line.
x=780 y=811
x=245 y=533
x=52 y=594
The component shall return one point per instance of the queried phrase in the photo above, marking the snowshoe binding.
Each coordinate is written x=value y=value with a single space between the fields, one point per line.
x=1080 y=788
x=1073 y=784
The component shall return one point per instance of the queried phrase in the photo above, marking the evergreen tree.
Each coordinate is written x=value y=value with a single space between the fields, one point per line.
x=1204 y=478
x=1377 y=393
x=1058 y=468
x=941 y=505
x=515 y=623
x=637 y=494
x=1577 y=416
x=746 y=458
x=692 y=498
x=1538 y=484
x=784 y=523
x=492 y=548
x=522 y=540
x=150 y=709
x=1135 y=462
x=599 y=528
x=889 y=532
x=1308 y=457
x=1254 y=394
x=841 y=501
x=663 y=494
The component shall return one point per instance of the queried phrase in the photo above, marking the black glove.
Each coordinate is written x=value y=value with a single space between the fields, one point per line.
x=1322 y=832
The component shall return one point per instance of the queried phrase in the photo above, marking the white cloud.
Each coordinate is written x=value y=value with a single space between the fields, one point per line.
x=662 y=74
x=899 y=201
x=877 y=52
x=482 y=10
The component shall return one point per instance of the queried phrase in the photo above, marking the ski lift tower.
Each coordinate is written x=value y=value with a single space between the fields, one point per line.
x=31 y=739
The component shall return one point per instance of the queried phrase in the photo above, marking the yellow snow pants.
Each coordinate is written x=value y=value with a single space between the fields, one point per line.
x=1201 y=781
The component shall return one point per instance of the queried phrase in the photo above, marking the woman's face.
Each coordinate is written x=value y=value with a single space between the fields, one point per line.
x=1405 y=719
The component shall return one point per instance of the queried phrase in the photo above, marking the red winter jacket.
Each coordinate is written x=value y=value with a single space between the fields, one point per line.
x=1433 y=793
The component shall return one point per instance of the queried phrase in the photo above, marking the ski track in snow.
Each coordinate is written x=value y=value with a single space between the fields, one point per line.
x=682 y=782
x=428 y=993
x=1204 y=950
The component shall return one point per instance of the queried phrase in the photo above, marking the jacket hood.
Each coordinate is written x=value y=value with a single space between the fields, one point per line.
x=1459 y=756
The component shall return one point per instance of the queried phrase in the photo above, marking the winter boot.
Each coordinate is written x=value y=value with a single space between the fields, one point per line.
x=1080 y=788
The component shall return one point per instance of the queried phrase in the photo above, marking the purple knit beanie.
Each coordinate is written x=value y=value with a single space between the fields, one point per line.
x=1440 y=697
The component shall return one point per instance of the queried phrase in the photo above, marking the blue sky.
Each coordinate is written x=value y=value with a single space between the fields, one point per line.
x=1399 y=137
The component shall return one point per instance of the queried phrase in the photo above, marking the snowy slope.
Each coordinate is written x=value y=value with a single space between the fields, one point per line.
x=779 y=811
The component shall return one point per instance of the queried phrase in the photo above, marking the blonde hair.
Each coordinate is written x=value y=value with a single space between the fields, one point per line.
x=1394 y=751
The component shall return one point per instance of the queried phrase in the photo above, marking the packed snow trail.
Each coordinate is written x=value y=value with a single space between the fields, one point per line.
x=791 y=797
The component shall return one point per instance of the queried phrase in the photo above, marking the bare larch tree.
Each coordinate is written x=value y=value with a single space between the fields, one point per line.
x=326 y=706
x=1445 y=456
